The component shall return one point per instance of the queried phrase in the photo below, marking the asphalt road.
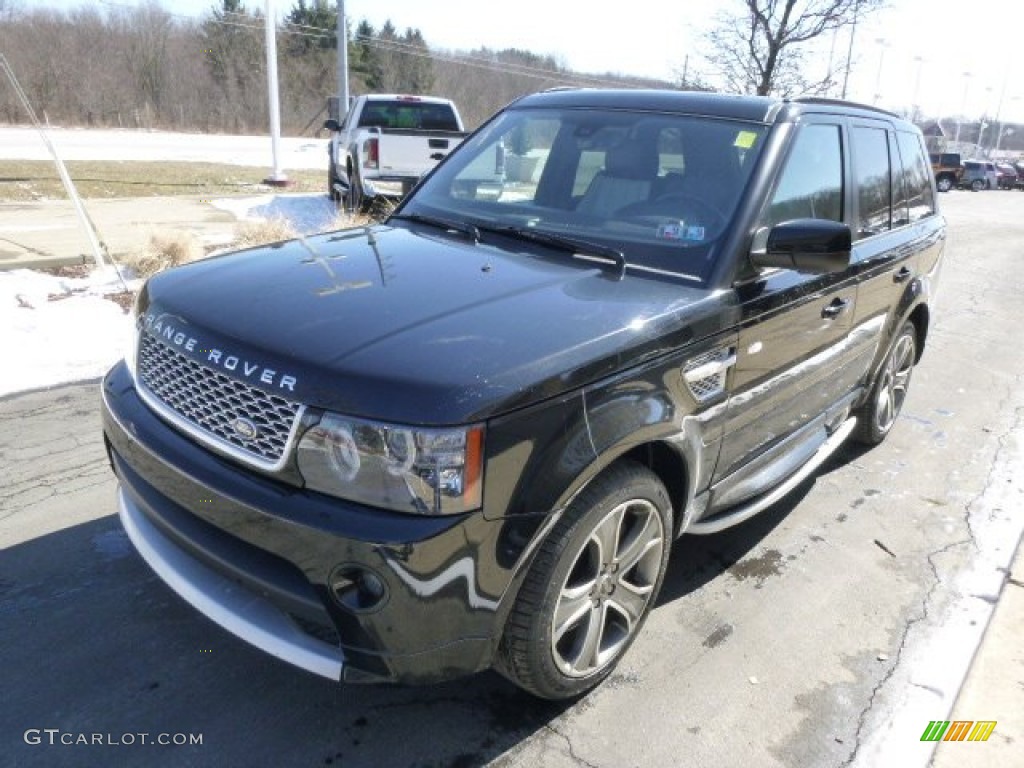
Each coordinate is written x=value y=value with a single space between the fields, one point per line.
x=805 y=637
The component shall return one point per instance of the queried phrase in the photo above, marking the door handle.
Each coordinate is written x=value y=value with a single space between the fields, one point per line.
x=902 y=276
x=835 y=309
x=439 y=156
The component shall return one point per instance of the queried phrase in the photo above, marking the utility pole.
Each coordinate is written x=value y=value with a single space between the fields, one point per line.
x=277 y=178
x=342 y=62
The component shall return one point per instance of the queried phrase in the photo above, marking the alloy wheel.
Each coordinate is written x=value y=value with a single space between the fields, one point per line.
x=608 y=588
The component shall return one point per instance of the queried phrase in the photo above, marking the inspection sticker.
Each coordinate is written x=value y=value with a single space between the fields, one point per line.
x=745 y=139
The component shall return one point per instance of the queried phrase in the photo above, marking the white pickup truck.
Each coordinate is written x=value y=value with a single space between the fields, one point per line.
x=385 y=144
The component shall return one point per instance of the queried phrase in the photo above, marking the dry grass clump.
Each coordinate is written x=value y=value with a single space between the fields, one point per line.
x=262 y=231
x=344 y=220
x=165 y=250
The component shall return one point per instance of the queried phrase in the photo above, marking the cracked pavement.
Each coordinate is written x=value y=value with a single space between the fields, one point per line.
x=826 y=631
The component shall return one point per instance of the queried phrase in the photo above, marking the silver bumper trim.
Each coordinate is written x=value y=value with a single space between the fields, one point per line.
x=239 y=611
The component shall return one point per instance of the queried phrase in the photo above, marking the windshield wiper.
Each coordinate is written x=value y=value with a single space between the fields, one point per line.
x=584 y=250
x=448 y=225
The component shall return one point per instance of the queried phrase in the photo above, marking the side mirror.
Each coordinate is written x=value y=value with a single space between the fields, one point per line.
x=332 y=125
x=817 y=246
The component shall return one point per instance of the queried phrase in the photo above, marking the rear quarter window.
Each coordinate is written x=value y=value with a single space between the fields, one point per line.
x=917 y=181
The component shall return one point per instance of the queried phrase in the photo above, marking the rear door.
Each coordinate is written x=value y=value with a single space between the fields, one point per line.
x=893 y=197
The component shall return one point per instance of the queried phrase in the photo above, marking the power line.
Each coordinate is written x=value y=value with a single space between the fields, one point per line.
x=398 y=46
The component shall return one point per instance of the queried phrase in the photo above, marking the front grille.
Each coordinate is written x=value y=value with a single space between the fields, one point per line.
x=211 y=403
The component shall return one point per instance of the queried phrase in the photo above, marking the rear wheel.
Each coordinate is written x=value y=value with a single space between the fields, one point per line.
x=977 y=185
x=876 y=417
x=591 y=586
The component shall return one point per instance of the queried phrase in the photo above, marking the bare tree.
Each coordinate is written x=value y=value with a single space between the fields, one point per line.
x=762 y=48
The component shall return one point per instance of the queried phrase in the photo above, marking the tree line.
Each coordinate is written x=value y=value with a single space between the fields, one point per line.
x=147 y=67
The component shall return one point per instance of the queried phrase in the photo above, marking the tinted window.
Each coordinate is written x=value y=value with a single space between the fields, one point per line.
x=411 y=115
x=900 y=190
x=871 y=170
x=917 y=181
x=811 y=185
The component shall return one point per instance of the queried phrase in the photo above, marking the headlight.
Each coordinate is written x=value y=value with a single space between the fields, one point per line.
x=423 y=471
x=131 y=349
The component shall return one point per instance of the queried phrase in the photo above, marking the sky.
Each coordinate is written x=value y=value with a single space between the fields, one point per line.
x=913 y=51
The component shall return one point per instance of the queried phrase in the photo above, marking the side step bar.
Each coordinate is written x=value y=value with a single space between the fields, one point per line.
x=239 y=611
x=729 y=518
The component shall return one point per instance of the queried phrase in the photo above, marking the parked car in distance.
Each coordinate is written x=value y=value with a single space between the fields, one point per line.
x=1019 y=167
x=1007 y=176
x=947 y=168
x=468 y=437
x=979 y=175
x=385 y=144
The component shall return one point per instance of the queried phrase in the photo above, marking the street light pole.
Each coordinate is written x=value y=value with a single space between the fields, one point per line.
x=914 y=109
x=277 y=177
x=963 y=106
x=342 y=62
x=849 y=51
x=878 y=76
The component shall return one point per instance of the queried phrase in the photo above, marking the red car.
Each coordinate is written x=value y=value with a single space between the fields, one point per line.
x=1008 y=176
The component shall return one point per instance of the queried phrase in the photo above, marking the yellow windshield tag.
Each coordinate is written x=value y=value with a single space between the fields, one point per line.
x=745 y=139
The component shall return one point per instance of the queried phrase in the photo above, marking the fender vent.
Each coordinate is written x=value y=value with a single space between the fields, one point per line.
x=705 y=374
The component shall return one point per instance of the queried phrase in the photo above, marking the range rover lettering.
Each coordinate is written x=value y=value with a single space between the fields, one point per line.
x=467 y=437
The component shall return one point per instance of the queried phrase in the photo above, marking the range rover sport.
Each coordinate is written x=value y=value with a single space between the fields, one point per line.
x=467 y=437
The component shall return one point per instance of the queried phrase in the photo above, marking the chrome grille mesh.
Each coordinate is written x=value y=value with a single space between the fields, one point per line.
x=707 y=387
x=211 y=402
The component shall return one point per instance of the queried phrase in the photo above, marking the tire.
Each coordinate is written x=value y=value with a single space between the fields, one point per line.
x=332 y=179
x=877 y=416
x=355 y=203
x=591 y=586
x=944 y=183
x=977 y=185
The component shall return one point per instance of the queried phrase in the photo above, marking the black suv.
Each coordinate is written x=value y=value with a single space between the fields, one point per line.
x=469 y=436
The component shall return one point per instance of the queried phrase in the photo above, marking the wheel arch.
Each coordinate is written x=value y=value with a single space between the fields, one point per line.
x=671 y=469
x=920 y=316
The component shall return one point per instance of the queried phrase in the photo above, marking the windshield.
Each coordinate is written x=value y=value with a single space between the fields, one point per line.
x=659 y=188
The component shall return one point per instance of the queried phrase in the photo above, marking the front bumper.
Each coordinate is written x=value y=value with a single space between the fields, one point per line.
x=275 y=564
x=241 y=612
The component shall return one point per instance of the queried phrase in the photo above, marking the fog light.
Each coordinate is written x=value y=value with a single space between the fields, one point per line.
x=358 y=589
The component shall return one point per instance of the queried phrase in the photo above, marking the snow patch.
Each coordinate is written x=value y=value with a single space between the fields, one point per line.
x=59 y=329
x=308 y=214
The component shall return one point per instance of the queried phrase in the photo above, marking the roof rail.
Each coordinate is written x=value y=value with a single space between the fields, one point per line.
x=843 y=103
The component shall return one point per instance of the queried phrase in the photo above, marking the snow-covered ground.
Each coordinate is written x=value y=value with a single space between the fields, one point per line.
x=59 y=329
x=21 y=143
x=54 y=330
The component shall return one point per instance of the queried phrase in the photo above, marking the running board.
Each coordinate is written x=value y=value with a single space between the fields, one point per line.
x=736 y=515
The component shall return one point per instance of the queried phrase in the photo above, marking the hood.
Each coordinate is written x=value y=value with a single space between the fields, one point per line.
x=417 y=326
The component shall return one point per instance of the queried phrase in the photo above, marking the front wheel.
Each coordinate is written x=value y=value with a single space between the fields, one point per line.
x=332 y=179
x=591 y=586
x=944 y=183
x=977 y=185
x=355 y=203
x=877 y=416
